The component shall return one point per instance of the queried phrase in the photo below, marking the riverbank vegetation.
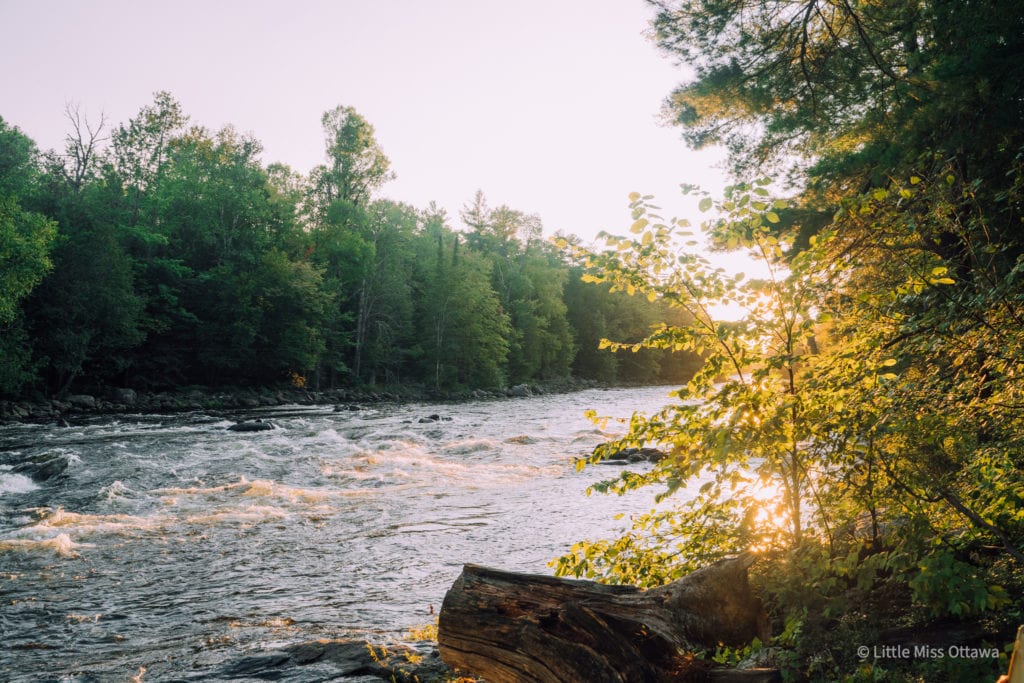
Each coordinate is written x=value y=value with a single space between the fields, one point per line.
x=861 y=427
x=157 y=254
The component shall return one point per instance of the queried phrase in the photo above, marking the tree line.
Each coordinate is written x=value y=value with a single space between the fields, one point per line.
x=162 y=254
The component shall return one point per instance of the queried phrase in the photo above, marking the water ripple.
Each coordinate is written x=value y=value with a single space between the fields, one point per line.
x=173 y=545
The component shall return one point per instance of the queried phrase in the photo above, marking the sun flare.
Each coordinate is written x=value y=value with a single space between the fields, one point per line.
x=769 y=514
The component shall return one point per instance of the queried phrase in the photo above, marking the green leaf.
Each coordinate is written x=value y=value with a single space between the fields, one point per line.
x=705 y=204
x=772 y=217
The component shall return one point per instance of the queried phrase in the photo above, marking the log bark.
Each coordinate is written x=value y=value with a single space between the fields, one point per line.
x=504 y=626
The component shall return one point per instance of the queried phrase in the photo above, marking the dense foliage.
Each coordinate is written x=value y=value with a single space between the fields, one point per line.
x=161 y=254
x=860 y=427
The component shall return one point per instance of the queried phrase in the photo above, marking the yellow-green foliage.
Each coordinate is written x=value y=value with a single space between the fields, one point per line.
x=859 y=426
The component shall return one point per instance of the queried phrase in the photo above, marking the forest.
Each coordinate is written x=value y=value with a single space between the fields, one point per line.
x=158 y=254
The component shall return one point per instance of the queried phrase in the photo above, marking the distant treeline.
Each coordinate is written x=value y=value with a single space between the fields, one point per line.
x=158 y=254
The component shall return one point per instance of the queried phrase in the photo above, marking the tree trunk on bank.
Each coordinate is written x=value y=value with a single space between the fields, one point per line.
x=504 y=626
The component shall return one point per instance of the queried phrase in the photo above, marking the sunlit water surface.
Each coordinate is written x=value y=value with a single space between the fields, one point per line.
x=173 y=545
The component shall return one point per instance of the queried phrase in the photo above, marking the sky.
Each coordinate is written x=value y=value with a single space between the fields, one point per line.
x=549 y=107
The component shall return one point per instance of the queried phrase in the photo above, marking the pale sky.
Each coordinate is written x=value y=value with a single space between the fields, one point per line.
x=548 y=106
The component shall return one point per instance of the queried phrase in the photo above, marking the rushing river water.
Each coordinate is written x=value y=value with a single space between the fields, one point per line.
x=173 y=545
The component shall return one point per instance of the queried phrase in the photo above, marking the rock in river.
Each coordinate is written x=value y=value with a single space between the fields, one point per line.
x=634 y=455
x=42 y=467
x=334 y=659
x=251 y=426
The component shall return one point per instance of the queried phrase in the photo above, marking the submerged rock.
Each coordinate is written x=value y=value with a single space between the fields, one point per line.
x=252 y=426
x=42 y=467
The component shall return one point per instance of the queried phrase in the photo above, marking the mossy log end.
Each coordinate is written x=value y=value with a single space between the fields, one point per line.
x=504 y=626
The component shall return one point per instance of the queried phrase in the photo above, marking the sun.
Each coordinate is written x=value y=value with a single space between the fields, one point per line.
x=769 y=514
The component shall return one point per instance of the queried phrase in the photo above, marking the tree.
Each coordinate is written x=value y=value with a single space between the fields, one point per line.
x=140 y=153
x=906 y=118
x=529 y=278
x=745 y=435
x=343 y=256
x=356 y=164
x=138 y=160
x=253 y=311
x=345 y=232
x=465 y=330
x=289 y=341
x=26 y=239
x=384 y=308
x=824 y=430
x=25 y=236
x=84 y=312
x=858 y=89
x=82 y=154
x=84 y=317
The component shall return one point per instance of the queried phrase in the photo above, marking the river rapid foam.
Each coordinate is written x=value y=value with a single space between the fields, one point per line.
x=171 y=545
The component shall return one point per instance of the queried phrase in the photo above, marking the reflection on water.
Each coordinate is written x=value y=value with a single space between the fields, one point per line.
x=171 y=544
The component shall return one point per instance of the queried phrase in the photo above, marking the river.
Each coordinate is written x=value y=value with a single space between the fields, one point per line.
x=171 y=545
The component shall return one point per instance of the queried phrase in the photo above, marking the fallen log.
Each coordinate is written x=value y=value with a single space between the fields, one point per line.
x=504 y=626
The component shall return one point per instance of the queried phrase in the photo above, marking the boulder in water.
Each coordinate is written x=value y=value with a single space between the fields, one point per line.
x=518 y=391
x=252 y=426
x=634 y=455
x=42 y=467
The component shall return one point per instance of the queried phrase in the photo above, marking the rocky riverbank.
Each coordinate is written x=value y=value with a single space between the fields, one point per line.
x=125 y=400
x=342 y=660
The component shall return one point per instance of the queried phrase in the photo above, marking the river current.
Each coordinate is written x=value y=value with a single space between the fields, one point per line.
x=170 y=545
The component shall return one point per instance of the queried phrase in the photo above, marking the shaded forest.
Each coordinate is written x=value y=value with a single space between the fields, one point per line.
x=158 y=254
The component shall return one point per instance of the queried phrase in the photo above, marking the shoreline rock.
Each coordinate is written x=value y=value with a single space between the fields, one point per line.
x=119 y=400
x=343 y=658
